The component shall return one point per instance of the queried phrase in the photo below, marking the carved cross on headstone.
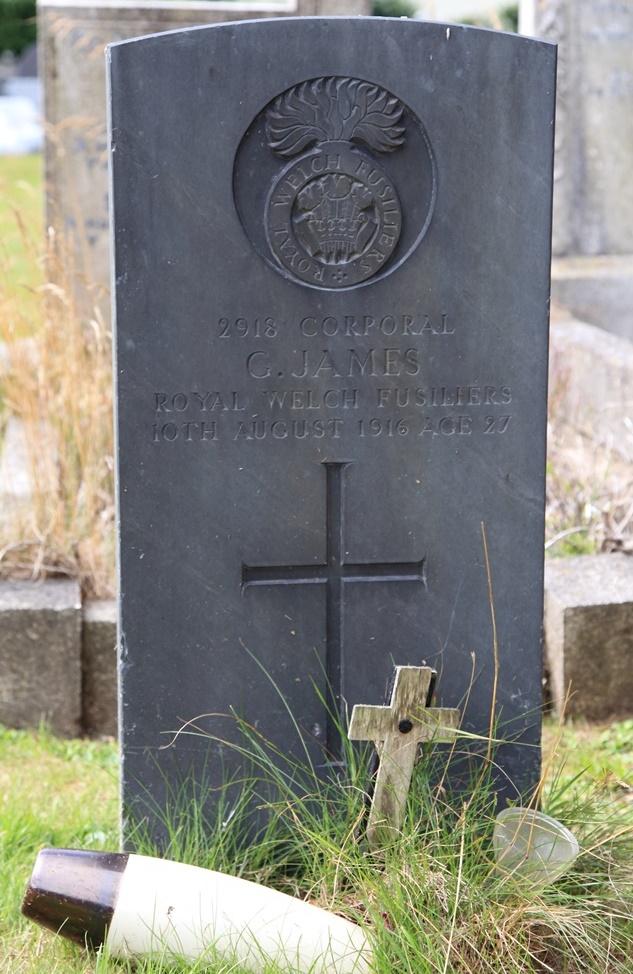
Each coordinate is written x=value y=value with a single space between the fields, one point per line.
x=398 y=729
x=335 y=574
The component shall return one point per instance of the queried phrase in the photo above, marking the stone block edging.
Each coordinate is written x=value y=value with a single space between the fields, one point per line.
x=589 y=635
x=58 y=657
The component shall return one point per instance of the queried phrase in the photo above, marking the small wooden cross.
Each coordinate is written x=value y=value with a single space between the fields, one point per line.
x=398 y=729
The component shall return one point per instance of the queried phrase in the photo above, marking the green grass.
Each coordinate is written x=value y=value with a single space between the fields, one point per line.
x=52 y=793
x=435 y=887
x=21 y=238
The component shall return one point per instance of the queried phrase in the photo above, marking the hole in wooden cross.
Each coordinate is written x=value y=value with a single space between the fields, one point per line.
x=397 y=730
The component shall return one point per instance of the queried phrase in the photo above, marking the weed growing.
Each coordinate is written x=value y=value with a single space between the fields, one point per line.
x=433 y=899
x=589 y=484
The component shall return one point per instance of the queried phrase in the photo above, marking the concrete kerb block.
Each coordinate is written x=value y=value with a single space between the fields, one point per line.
x=99 y=660
x=40 y=655
x=589 y=634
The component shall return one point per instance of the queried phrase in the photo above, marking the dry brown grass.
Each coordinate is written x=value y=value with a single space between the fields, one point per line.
x=589 y=504
x=58 y=384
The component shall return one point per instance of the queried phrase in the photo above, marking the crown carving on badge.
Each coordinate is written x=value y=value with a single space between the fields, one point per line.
x=337 y=210
x=334 y=110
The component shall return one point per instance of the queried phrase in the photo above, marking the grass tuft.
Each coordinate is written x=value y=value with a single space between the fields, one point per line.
x=432 y=901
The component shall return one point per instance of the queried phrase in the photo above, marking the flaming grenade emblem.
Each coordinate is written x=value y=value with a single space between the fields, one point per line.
x=333 y=217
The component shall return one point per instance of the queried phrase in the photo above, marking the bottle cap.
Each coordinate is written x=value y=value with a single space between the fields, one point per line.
x=74 y=892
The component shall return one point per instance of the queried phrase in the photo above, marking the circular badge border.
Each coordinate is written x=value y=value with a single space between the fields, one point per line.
x=391 y=266
x=319 y=266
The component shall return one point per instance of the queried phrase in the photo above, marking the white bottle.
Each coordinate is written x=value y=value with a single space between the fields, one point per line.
x=141 y=906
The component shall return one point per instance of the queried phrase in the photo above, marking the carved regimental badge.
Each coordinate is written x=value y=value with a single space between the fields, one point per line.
x=333 y=216
x=334 y=182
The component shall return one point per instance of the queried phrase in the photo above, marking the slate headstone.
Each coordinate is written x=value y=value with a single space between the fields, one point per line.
x=332 y=276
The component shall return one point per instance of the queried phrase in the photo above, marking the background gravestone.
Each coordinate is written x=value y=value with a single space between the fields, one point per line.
x=331 y=313
x=72 y=39
x=593 y=195
x=592 y=274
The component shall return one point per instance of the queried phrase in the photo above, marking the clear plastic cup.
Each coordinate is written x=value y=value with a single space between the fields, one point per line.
x=532 y=847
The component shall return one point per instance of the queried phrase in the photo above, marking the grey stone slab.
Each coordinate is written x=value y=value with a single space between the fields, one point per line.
x=16 y=474
x=589 y=635
x=591 y=382
x=72 y=37
x=24 y=468
x=315 y=418
x=598 y=290
x=40 y=655
x=21 y=350
x=99 y=665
